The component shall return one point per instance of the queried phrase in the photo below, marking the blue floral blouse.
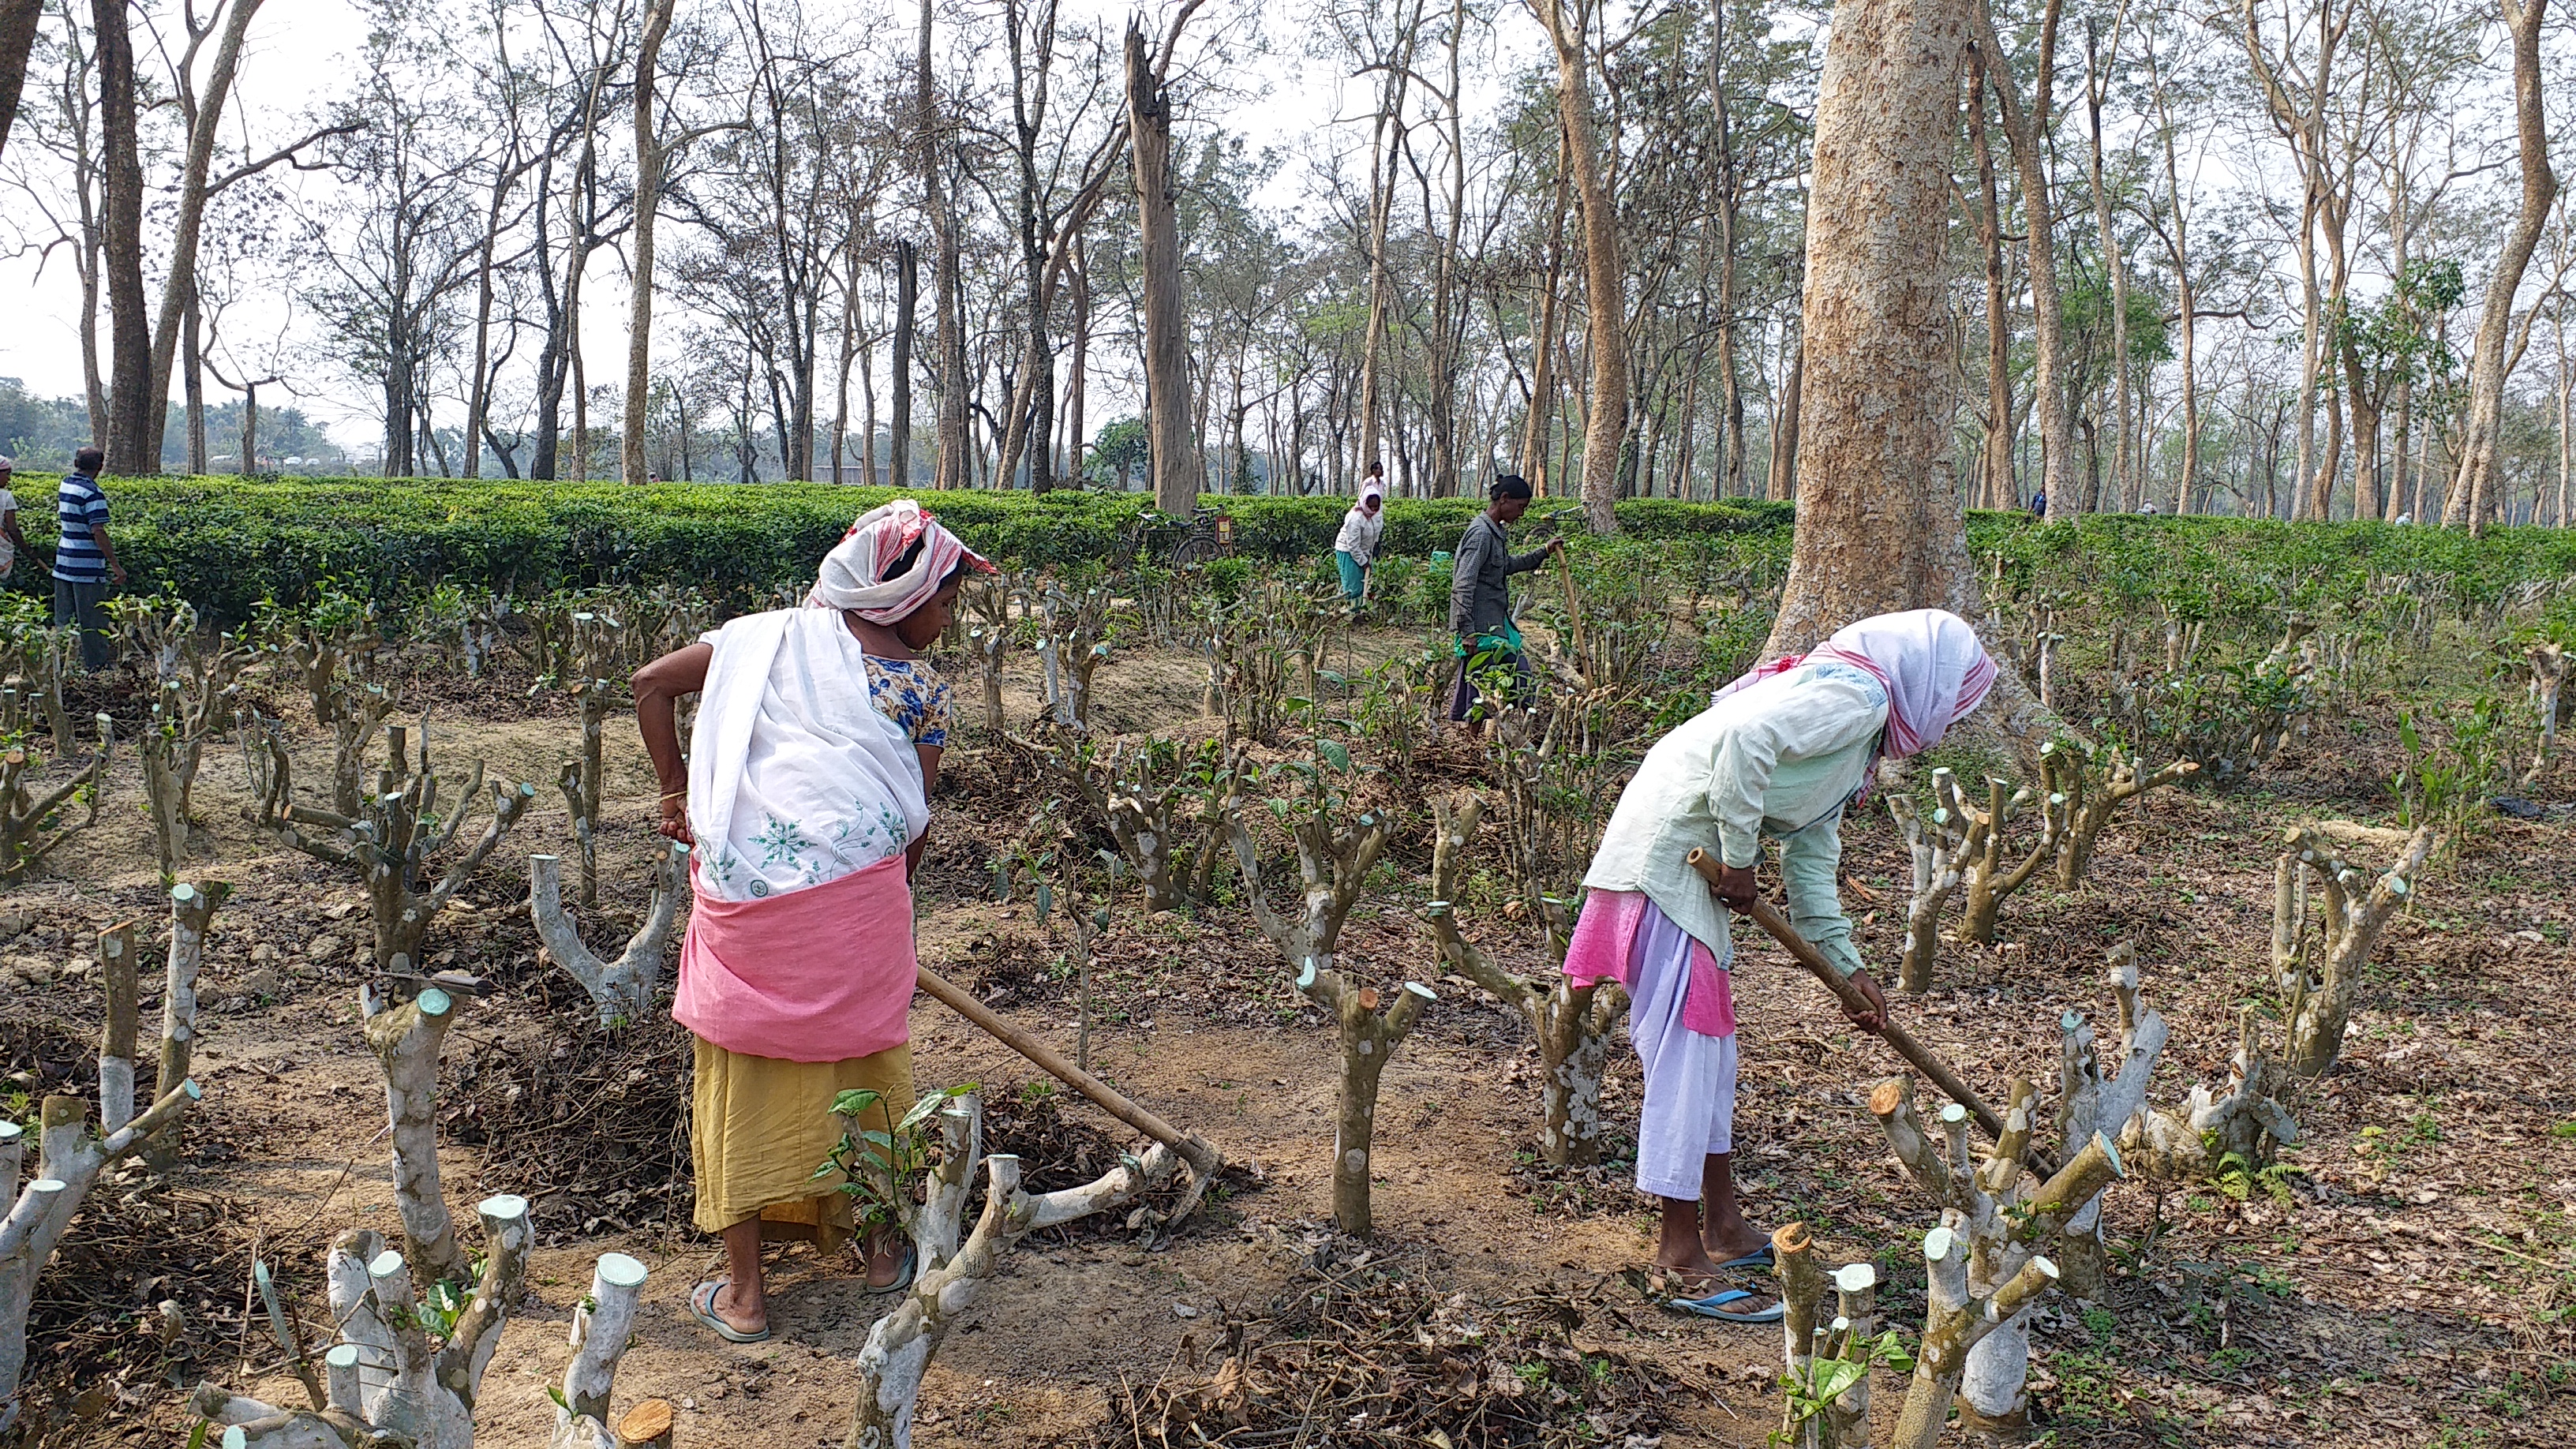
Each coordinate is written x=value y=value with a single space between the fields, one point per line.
x=911 y=693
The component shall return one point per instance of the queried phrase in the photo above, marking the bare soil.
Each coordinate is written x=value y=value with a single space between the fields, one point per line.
x=2407 y=1281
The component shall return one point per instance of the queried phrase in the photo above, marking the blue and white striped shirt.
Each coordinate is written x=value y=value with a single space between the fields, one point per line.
x=81 y=507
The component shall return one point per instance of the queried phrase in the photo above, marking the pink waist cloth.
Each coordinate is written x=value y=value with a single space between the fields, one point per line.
x=1605 y=945
x=818 y=975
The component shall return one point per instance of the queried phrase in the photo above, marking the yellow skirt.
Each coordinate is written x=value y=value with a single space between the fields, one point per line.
x=759 y=1126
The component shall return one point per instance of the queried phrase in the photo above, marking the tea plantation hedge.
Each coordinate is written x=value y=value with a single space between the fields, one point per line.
x=225 y=543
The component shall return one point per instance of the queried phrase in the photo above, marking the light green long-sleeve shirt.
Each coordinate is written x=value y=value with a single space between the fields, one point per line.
x=1778 y=758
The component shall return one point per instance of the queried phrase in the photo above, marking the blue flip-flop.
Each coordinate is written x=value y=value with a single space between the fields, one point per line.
x=1758 y=1258
x=1714 y=1306
x=702 y=1306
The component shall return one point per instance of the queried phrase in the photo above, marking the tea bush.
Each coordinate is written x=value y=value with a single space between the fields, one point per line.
x=225 y=543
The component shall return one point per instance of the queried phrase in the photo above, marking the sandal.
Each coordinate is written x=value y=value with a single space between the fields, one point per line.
x=702 y=1303
x=1758 y=1258
x=903 y=1278
x=1714 y=1306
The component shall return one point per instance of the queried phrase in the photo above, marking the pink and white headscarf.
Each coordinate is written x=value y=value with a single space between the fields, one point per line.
x=854 y=573
x=1931 y=663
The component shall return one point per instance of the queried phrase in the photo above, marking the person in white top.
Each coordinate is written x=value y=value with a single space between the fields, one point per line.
x=1780 y=752
x=1355 y=549
x=11 y=540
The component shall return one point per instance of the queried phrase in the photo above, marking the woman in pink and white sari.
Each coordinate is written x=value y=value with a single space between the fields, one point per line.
x=805 y=793
x=1779 y=753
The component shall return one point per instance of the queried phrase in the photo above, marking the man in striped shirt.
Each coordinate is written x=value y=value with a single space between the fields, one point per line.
x=85 y=565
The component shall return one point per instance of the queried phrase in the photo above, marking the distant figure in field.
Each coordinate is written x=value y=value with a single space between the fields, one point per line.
x=12 y=542
x=85 y=565
x=1480 y=597
x=2039 y=505
x=1355 y=549
x=806 y=794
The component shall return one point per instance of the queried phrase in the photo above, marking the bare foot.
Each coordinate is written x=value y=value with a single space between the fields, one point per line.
x=731 y=1306
x=1689 y=1268
x=1744 y=1241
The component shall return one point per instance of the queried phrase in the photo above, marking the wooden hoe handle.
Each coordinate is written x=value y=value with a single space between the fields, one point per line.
x=1896 y=1036
x=1202 y=1158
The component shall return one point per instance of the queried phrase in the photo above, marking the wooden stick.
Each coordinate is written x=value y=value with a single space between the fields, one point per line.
x=1202 y=1158
x=1896 y=1036
x=116 y=948
x=1573 y=611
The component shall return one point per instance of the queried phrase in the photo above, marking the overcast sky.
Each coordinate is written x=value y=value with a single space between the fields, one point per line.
x=300 y=51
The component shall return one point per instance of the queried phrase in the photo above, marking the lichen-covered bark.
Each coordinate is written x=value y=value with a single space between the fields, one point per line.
x=1988 y=1259
x=2089 y=784
x=388 y=1384
x=2320 y=975
x=33 y=826
x=1939 y=849
x=1368 y=1040
x=1571 y=1022
x=1856 y=1289
x=391 y=835
x=2548 y=661
x=601 y=1326
x=38 y=1212
x=621 y=990
x=406 y=1039
x=1991 y=872
x=899 y=1348
x=123 y=980
x=1801 y=1281
x=192 y=911
x=1333 y=862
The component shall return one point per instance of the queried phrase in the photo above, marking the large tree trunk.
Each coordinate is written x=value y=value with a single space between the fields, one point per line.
x=133 y=436
x=2473 y=487
x=953 y=466
x=17 y=41
x=1175 y=455
x=2028 y=131
x=1081 y=349
x=2124 y=474
x=649 y=157
x=2001 y=491
x=1542 y=377
x=1782 y=484
x=1879 y=520
x=907 y=302
x=1604 y=283
x=179 y=290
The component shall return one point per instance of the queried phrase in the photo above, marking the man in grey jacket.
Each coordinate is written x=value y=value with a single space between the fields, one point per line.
x=1480 y=601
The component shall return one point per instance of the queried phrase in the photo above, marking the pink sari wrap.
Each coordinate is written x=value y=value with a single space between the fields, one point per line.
x=817 y=975
x=1605 y=945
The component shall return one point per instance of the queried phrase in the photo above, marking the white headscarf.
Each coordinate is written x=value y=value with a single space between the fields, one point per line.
x=1931 y=663
x=1934 y=667
x=854 y=574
